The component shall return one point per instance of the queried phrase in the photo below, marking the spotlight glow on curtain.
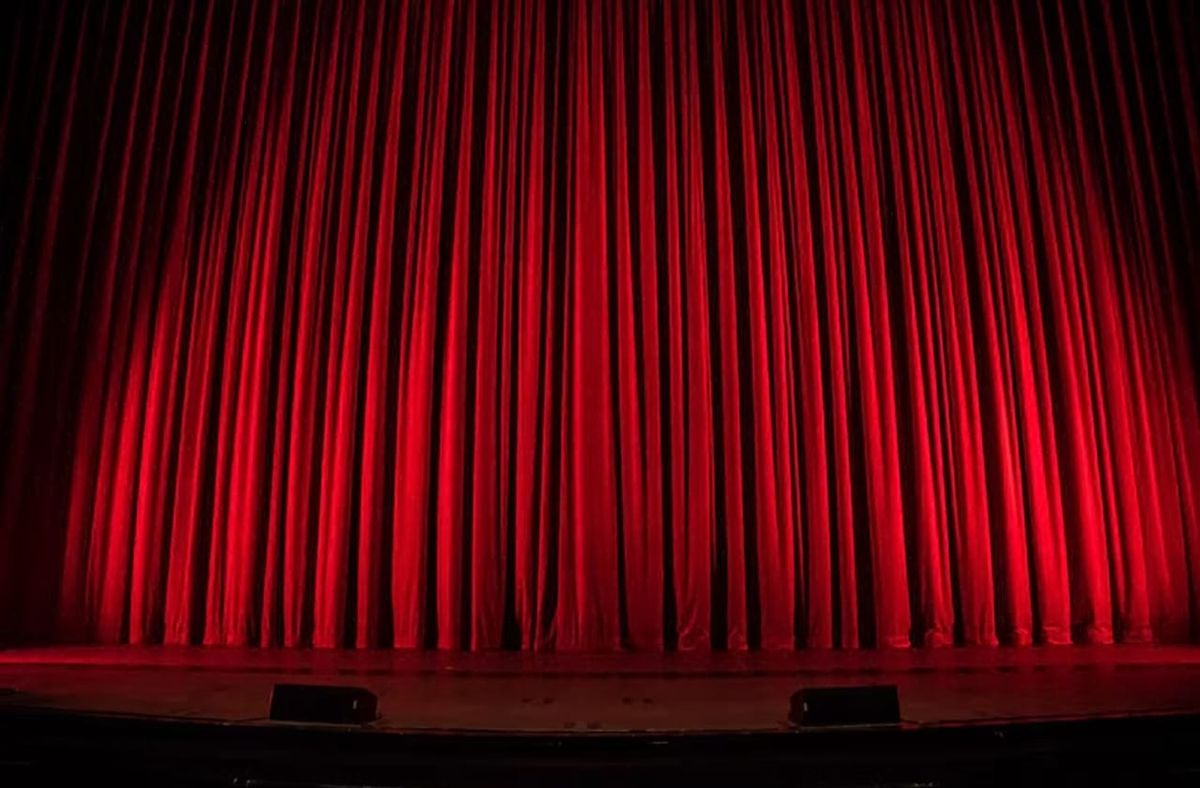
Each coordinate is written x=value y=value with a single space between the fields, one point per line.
x=591 y=325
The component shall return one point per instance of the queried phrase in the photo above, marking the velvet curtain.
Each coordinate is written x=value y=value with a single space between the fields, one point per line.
x=600 y=325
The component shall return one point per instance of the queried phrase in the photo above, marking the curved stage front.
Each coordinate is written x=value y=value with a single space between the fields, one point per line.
x=969 y=716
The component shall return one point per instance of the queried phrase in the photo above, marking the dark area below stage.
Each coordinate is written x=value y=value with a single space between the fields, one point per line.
x=49 y=748
x=971 y=716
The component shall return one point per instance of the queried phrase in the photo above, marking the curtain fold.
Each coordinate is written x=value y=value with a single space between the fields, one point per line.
x=600 y=325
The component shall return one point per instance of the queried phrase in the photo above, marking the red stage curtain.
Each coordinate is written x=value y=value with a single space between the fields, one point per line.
x=600 y=325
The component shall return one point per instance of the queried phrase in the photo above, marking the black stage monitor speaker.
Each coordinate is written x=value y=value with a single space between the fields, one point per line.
x=876 y=704
x=319 y=703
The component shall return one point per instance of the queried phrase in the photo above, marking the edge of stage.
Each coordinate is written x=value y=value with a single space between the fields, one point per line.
x=970 y=716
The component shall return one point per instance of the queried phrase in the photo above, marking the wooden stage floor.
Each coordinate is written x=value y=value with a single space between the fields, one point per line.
x=635 y=693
